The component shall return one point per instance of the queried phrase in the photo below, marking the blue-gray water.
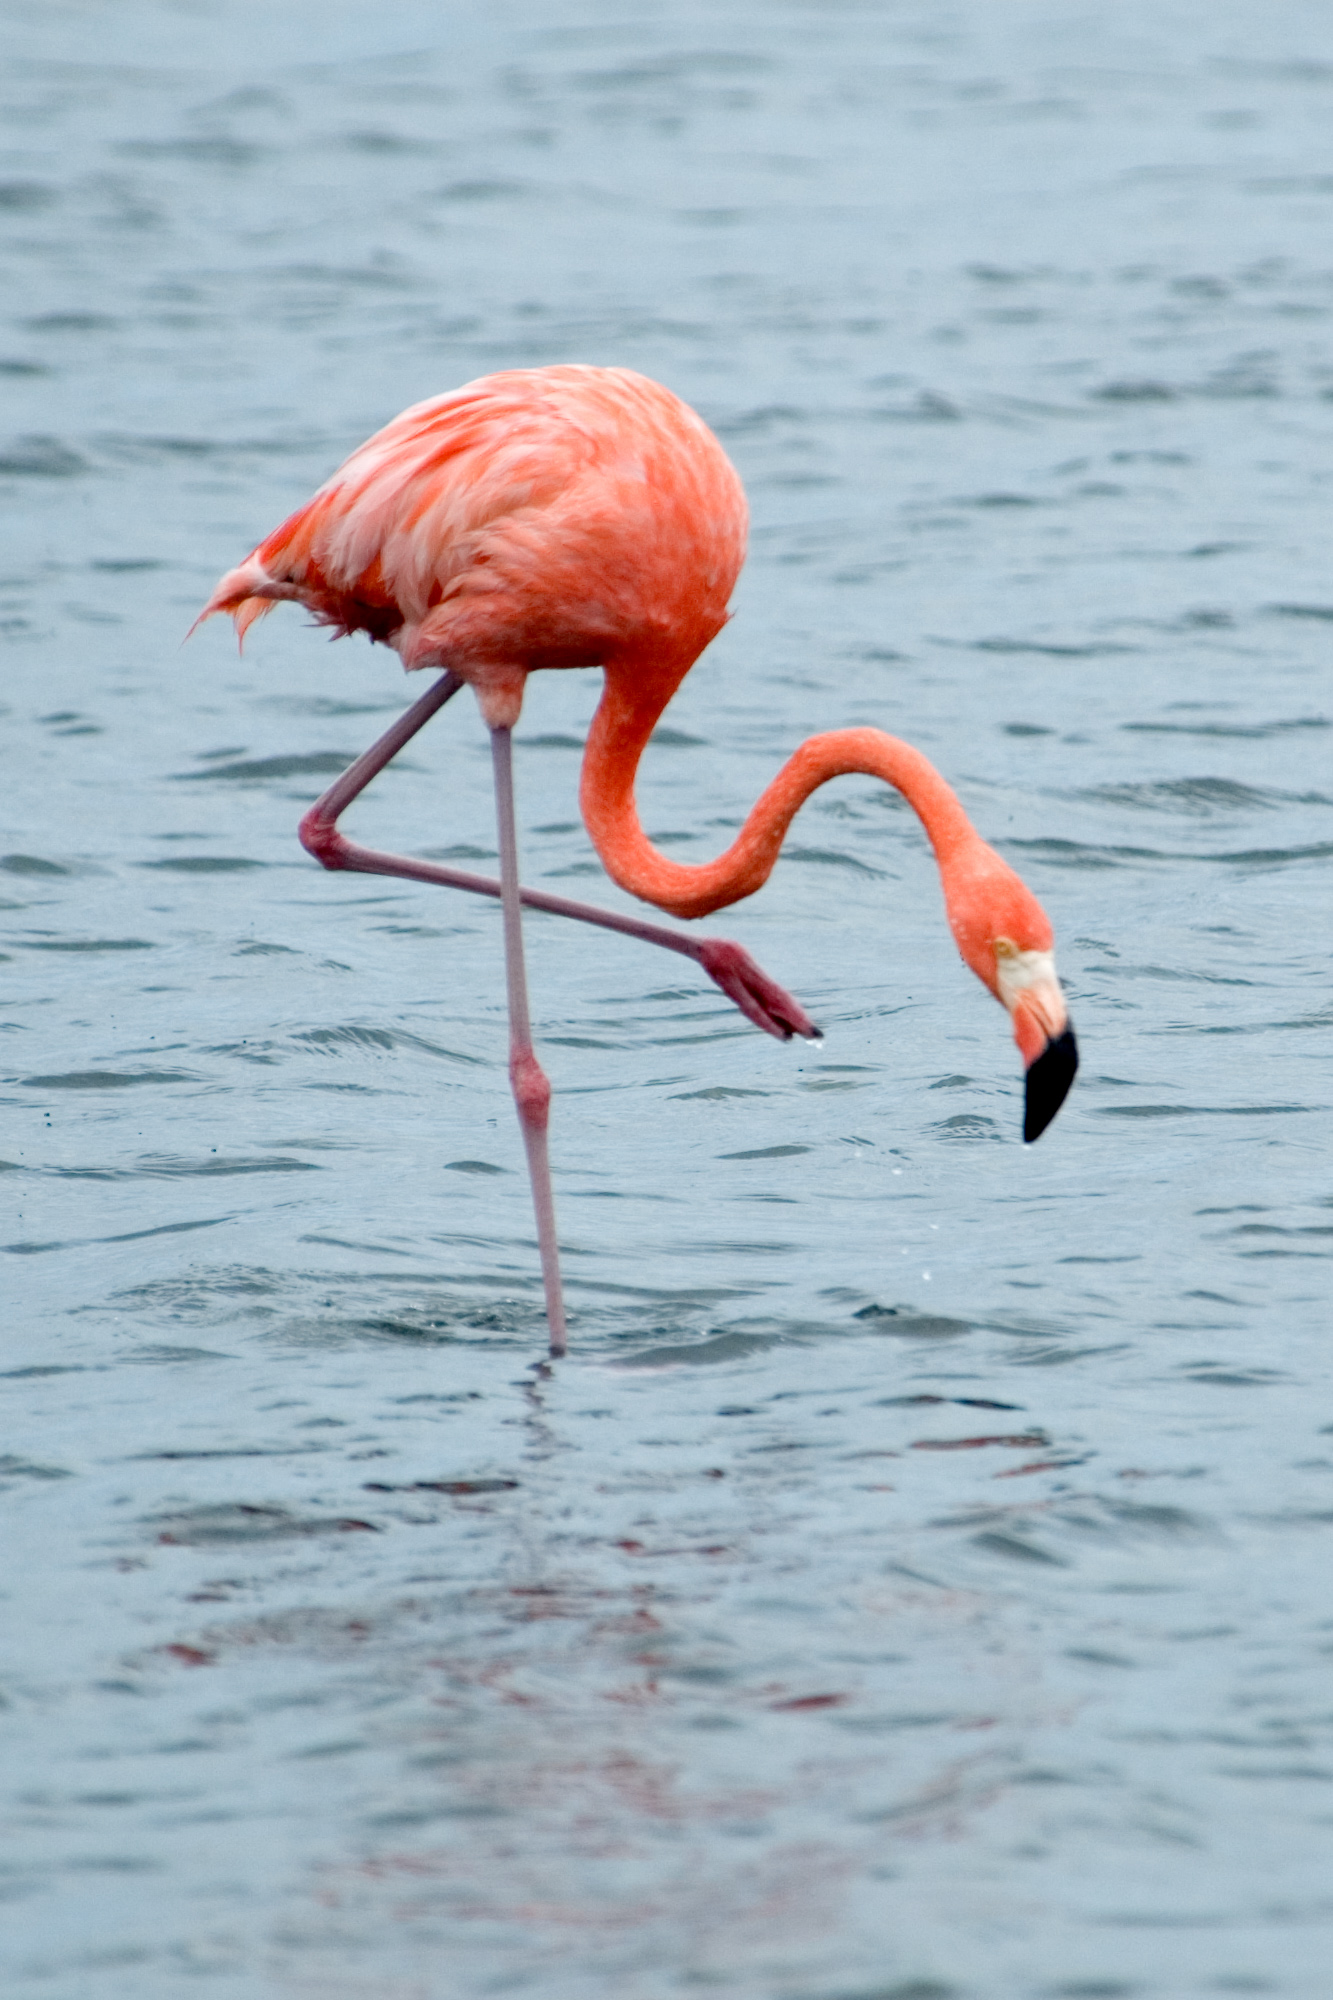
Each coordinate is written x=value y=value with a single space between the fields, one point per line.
x=917 y=1582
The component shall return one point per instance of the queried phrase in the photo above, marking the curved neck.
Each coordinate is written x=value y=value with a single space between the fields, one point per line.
x=630 y=706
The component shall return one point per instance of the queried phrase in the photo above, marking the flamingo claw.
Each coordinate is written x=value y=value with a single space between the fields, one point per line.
x=749 y=987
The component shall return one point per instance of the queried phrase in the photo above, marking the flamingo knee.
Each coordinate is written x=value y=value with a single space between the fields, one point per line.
x=319 y=836
x=532 y=1090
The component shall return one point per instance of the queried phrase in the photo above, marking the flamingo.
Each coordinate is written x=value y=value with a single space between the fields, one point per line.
x=575 y=516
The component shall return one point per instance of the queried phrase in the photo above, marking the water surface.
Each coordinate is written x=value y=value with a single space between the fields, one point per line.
x=916 y=1584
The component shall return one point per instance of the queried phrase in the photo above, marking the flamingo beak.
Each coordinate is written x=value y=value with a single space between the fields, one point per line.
x=1048 y=1081
x=1026 y=983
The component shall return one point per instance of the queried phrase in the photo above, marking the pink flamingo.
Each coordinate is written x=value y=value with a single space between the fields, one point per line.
x=580 y=517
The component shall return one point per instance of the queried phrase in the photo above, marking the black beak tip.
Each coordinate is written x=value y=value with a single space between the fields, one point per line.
x=1048 y=1084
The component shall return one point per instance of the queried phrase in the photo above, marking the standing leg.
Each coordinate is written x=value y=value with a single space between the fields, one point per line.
x=532 y=1091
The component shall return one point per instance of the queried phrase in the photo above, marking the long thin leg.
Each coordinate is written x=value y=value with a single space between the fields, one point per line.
x=729 y=965
x=532 y=1091
x=320 y=823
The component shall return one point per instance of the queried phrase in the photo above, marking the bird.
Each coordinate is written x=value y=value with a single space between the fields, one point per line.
x=576 y=516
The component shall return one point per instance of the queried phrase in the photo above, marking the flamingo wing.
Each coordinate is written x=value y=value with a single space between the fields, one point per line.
x=543 y=515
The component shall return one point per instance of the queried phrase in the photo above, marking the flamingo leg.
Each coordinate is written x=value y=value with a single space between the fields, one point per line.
x=727 y=964
x=532 y=1090
x=319 y=833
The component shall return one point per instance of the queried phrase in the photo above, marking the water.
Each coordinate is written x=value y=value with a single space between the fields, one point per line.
x=916 y=1584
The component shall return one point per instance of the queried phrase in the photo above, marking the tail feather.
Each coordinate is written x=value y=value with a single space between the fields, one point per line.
x=244 y=594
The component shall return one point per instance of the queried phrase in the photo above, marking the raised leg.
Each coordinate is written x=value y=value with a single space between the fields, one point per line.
x=319 y=828
x=532 y=1091
x=728 y=965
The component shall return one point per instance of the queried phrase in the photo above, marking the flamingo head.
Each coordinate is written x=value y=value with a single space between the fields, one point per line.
x=1006 y=937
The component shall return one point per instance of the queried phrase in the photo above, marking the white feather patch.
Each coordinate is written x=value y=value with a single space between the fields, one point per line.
x=1016 y=972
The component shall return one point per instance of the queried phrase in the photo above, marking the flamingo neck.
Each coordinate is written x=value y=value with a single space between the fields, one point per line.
x=625 y=718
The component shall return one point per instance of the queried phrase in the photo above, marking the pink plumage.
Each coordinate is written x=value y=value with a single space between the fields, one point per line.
x=545 y=515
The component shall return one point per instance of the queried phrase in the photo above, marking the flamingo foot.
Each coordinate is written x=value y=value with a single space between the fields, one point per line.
x=759 y=998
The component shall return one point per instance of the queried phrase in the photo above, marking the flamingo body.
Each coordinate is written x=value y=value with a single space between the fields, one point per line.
x=545 y=517
x=573 y=517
